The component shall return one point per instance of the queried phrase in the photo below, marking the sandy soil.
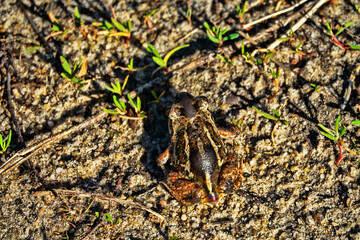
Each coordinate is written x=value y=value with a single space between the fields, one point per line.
x=104 y=178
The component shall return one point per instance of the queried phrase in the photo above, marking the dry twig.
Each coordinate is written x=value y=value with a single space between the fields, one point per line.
x=275 y=14
x=299 y=23
x=100 y=198
x=28 y=152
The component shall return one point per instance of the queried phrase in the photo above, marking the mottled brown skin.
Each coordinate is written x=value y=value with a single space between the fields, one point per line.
x=196 y=164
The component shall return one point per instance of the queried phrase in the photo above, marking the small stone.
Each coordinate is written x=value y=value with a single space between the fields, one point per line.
x=183 y=217
x=254 y=128
x=232 y=100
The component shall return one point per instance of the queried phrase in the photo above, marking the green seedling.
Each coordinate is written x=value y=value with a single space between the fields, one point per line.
x=74 y=74
x=116 y=87
x=246 y=55
x=271 y=117
x=56 y=27
x=157 y=99
x=336 y=135
x=237 y=123
x=290 y=37
x=275 y=118
x=275 y=74
x=298 y=52
x=137 y=106
x=30 y=49
x=240 y=12
x=130 y=67
x=77 y=16
x=225 y=59
x=147 y=16
x=268 y=56
x=162 y=62
x=188 y=16
x=336 y=40
x=4 y=144
x=122 y=111
x=124 y=29
x=120 y=107
x=108 y=218
x=357 y=8
x=317 y=88
x=216 y=35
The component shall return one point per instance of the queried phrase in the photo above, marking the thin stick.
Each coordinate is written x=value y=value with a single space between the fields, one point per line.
x=299 y=23
x=20 y=156
x=100 y=198
x=275 y=14
x=11 y=106
x=92 y=230
x=349 y=87
x=33 y=25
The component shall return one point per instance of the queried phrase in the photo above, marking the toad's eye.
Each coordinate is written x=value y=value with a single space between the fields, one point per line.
x=201 y=102
x=175 y=112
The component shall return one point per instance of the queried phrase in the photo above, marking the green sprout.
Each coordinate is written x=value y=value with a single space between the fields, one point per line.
x=336 y=135
x=237 y=123
x=275 y=74
x=137 y=106
x=30 y=49
x=56 y=27
x=74 y=74
x=357 y=8
x=241 y=11
x=5 y=144
x=130 y=67
x=162 y=62
x=336 y=40
x=175 y=238
x=317 y=88
x=109 y=219
x=225 y=59
x=147 y=16
x=271 y=117
x=289 y=38
x=124 y=29
x=298 y=52
x=156 y=97
x=188 y=16
x=116 y=87
x=276 y=118
x=246 y=55
x=77 y=16
x=216 y=35
x=120 y=107
x=268 y=56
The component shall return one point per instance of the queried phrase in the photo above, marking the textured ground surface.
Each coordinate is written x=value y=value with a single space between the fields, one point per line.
x=291 y=190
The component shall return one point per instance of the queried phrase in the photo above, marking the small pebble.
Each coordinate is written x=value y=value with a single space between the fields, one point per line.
x=183 y=217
